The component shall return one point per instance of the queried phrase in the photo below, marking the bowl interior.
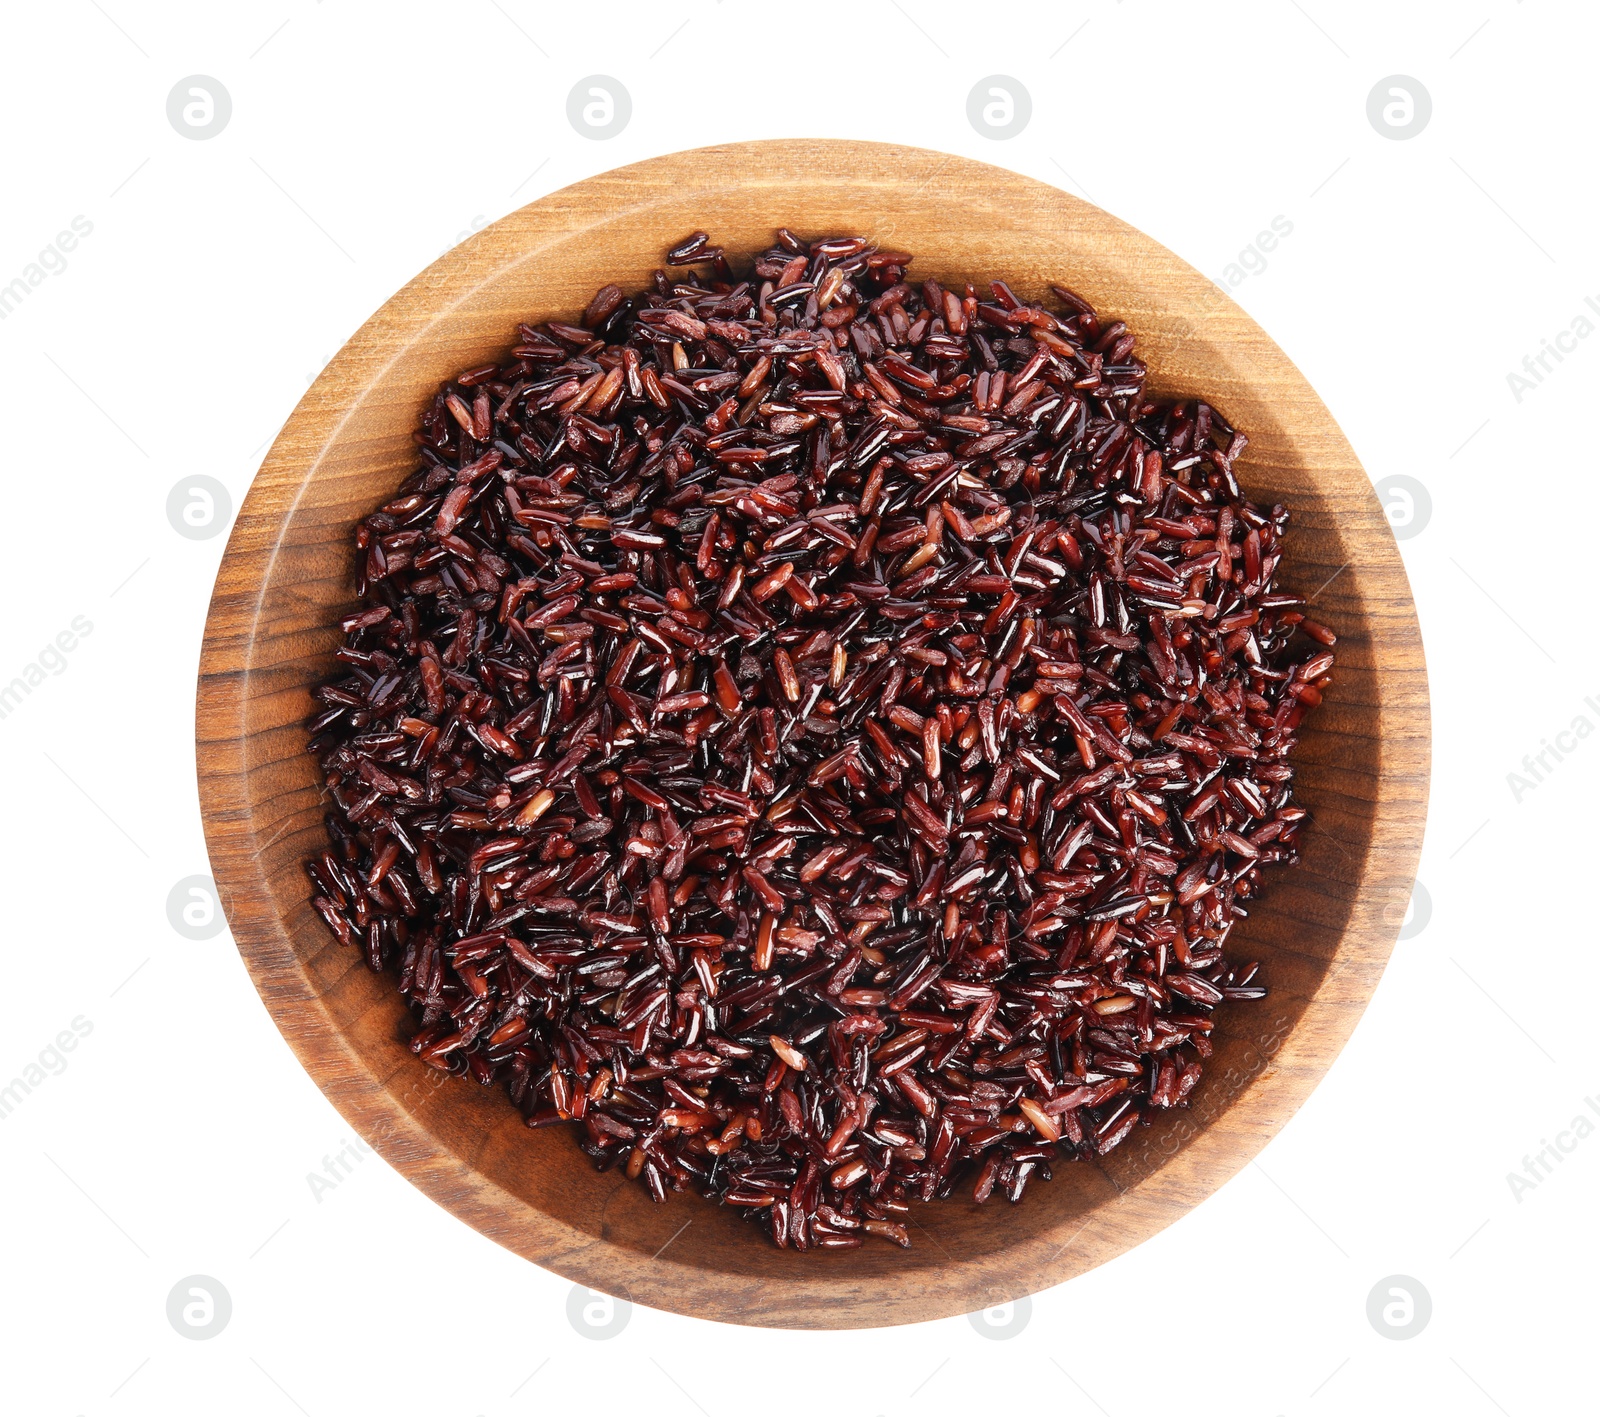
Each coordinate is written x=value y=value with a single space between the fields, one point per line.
x=1322 y=931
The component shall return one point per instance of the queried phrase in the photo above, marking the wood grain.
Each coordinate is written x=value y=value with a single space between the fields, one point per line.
x=1323 y=931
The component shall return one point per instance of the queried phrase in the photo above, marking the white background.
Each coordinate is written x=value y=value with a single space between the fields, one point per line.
x=364 y=140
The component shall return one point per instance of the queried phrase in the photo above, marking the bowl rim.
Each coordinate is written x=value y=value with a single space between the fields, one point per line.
x=1285 y=1077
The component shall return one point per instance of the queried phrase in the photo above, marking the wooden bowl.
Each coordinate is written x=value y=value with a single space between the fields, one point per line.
x=1323 y=931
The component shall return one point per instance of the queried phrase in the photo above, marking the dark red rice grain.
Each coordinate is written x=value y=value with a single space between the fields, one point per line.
x=814 y=734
